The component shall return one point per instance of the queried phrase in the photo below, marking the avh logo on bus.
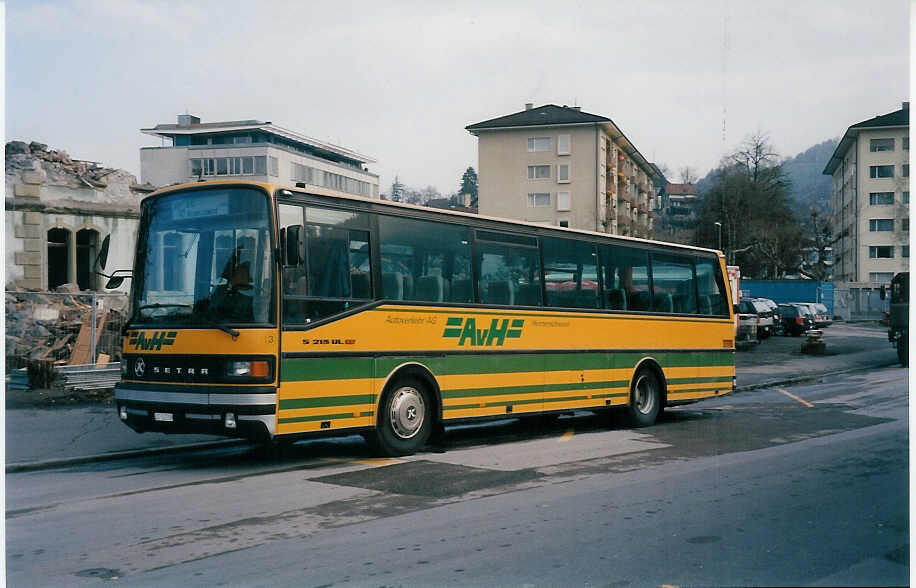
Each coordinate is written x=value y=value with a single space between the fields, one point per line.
x=466 y=331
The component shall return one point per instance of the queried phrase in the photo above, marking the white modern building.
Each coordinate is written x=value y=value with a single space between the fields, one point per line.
x=253 y=150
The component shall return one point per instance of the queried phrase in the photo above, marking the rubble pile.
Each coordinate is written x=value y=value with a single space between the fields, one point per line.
x=45 y=330
x=59 y=169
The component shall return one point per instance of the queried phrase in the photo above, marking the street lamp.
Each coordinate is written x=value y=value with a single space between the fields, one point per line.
x=719 y=236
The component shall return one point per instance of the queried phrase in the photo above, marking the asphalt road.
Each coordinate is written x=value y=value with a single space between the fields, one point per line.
x=799 y=486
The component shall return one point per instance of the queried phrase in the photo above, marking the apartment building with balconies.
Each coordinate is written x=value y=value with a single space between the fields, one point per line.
x=252 y=150
x=559 y=166
x=871 y=197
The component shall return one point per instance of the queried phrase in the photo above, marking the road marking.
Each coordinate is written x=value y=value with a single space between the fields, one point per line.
x=378 y=462
x=794 y=397
x=566 y=436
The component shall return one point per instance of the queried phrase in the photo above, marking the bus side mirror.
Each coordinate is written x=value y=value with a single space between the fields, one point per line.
x=114 y=282
x=293 y=245
x=883 y=292
x=102 y=259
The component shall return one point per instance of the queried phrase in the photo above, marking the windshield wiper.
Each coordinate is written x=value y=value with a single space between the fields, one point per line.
x=206 y=319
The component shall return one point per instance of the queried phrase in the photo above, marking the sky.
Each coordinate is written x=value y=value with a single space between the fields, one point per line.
x=398 y=81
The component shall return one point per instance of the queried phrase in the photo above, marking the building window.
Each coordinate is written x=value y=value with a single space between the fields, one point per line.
x=878 y=198
x=538 y=172
x=564 y=223
x=274 y=166
x=880 y=171
x=880 y=224
x=875 y=145
x=563 y=144
x=906 y=251
x=906 y=170
x=563 y=201
x=906 y=224
x=231 y=166
x=880 y=276
x=87 y=244
x=241 y=139
x=563 y=173
x=538 y=144
x=58 y=257
x=906 y=143
x=906 y=197
x=881 y=252
x=538 y=199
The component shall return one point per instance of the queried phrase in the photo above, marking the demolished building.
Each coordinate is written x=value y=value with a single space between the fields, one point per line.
x=58 y=211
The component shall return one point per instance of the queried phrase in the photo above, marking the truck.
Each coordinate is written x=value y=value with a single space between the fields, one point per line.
x=898 y=331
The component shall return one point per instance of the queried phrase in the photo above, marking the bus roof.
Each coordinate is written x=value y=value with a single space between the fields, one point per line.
x=273 y=188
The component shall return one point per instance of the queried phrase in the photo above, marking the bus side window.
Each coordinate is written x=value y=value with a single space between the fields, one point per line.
x=508 y=275
x=674 y=284
x=626 y=282
x=570 y=273
x=710 y=288
x=424 y=261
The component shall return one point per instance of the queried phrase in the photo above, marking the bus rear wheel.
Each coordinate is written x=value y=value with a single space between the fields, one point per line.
x=645 y=398
x=405 y=419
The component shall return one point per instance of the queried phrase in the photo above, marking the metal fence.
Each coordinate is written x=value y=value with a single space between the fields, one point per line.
x=54 y=334
x=859 y=304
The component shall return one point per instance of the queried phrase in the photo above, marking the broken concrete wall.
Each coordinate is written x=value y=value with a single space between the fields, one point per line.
x=46 y=189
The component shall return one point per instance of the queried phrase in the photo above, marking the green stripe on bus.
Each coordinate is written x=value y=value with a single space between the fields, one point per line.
x=694 y=390
x=533 y=389
x=308 y=369
x=367 y=413
x=673 y=381
x=292 y=403
x=322 y=417
x=454 y=321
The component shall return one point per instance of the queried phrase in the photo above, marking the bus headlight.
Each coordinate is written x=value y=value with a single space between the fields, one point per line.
x=249 y=369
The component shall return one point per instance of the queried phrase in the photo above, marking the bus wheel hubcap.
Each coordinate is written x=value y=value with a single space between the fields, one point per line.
x=645 y=397
x=407 y=412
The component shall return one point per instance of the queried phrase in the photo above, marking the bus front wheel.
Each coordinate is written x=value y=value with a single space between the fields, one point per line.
x=645 y=398
x=405 y=419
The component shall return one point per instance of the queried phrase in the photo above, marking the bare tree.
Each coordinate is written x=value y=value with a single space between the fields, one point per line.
x=688 y=175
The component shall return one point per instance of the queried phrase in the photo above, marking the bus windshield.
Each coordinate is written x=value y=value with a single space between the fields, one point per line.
x=205 y=259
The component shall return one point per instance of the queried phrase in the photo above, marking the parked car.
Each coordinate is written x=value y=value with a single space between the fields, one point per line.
x=796 y=319
x=824 y=313
x=764 y=315
x=746 y=329
x=818 y=311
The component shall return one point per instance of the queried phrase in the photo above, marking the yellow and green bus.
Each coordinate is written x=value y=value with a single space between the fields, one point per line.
x=277 y=313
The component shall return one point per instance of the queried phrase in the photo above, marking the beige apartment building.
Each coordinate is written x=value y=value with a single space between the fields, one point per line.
x=557 y=165
x=871 y=198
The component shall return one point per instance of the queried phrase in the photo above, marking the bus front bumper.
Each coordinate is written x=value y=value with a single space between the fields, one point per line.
x=214 y=410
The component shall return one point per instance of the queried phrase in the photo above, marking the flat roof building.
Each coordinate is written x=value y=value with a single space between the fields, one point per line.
x=253 y=149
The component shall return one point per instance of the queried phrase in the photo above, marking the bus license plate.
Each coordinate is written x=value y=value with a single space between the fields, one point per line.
x=163 y=417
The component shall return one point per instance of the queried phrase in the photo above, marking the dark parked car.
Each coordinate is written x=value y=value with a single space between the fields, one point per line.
x=796 y=319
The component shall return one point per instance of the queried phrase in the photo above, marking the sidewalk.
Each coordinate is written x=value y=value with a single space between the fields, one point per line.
x=38 y=434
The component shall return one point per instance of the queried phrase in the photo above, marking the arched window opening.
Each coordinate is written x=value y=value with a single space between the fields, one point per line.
x=87 y=244
x=58 y=257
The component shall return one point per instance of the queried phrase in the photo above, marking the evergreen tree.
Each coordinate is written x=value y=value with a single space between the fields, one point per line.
x=469 y=185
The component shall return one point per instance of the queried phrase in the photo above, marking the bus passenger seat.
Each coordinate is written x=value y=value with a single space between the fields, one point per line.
x=705 y=305
x=430 y=288
x=500 y=292
x=528 y=295
x=639 y=300
x=360 y=285
x=663 y=302
x=461 y=291
x=393 y=285
x=617 y=299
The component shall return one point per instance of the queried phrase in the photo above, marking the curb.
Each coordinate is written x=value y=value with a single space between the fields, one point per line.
x=54 y=463
x=68 y=461
x=809 y=378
